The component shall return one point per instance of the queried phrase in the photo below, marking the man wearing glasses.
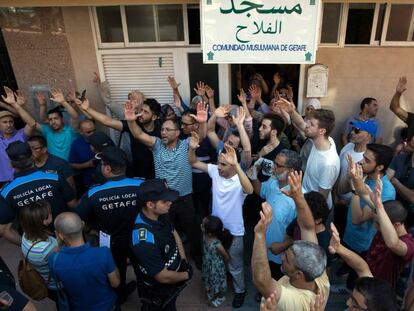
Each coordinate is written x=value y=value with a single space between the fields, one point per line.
x=171 y=163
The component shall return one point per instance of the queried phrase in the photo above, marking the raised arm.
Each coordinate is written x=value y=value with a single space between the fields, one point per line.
x=231 y=158
x=246 y=156
x=220 y=112
x=306 y=221
x=395 y=101
x=192 y=158
x=210 y=96
x=290 y=108
x=352 y=259
x=201 y=119
x=16 y=101
x=262 y=277
x=41 y=100
x=387 y=229
x=100 y=117
x=136 y=131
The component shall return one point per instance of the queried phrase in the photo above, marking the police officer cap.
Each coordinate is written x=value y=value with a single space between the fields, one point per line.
x=114 y=156
x=18 y=151
x=100 y=140
x=155 y=190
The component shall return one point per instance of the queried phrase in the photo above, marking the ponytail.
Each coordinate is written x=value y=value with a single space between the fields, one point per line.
x=225 y=238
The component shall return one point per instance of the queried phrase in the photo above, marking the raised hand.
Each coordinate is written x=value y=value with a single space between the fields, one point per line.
x=222 y=111
x=83 y=105
x=230 y=156
x=239 y=118
x=401 y=85
x=255 y=92
x=41 y=98
x=290 y=93
x=242 y=96
x=335 y=242
x=269 y=304
x=265 y=219
x=96 y=78
x=57 y=95
x=376 y=195
x=354 y=169
x=318 y=303
x=20 y=99
x=9 y=99
x=295 y=185
x=200 y=88
x=202 y=113
x=285 y=105
x=194 y=141
x=209 y=92
x=71 y=96
x=129 y=111
x=173 y=84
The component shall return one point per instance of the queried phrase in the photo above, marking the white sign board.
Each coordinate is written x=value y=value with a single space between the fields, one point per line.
x=259 y=31
x=317 y=81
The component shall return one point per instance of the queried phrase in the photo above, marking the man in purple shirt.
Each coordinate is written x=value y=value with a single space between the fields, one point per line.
x=8 y=132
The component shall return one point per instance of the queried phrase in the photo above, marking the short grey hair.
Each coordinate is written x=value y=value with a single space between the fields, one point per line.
x=69 y=224
x=310 y=258
x=293 y=159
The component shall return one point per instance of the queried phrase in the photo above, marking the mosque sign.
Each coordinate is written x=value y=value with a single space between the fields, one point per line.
x=260 y=31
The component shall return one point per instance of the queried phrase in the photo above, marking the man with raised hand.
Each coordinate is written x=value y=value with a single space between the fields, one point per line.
x=304 y=263
x=8 y=132
x=171 y=163
x=230 y=188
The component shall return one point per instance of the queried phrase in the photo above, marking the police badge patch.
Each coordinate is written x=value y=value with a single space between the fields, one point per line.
x=142 y=234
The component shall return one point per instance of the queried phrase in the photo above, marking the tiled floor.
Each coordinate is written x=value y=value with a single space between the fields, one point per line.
x=191 y=299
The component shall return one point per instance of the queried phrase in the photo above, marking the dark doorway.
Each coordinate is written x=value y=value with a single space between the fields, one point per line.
x=6 y=71
x=289 y=73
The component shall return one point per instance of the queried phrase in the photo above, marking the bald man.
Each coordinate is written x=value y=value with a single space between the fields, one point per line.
x=88 y=274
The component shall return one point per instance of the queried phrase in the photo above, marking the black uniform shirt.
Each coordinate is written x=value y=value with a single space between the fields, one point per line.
x=31 y=186
x=113 y=205
x=154 y=245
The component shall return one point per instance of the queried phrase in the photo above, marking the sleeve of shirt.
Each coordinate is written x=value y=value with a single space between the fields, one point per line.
x=156 y=146
x=149 y=257
x=410 y=119
x=264 y=108
x=290 y=229
x=84 y=208
x=184 y=104
x=393 y=164
x=125 y=127
x=212 y=170
x=7 y=213
x=388 y=190
x=66 y=190
x=409 y=241
x=66 y=169
x=45 y=129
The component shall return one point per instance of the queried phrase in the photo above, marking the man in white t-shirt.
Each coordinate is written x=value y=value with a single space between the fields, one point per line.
x=361 y=134
x=230 y=186
x=322 y=168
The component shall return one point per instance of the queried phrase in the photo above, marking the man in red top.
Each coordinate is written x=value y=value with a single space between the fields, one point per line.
x=392 y=247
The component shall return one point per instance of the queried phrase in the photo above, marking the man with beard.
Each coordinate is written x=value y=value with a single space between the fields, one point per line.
x=369 y=109
x=283 y=207
x=269 y=133
x=143 y=162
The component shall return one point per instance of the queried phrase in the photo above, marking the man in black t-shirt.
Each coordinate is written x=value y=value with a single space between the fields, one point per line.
x=143 y=162
x=30 y=185
x=113 y=207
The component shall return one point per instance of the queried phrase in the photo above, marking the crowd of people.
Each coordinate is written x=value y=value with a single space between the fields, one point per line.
x=188 y=178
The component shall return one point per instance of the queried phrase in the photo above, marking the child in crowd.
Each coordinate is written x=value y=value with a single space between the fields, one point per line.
x=216 y=240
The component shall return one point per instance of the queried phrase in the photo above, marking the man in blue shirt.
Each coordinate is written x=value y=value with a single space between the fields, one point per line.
x=88 y=274
x=112 y=207
x=283 y=207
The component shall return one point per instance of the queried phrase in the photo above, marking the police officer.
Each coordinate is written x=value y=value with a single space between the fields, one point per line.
x=113 y=206
x=30 y=185
x=158 y=248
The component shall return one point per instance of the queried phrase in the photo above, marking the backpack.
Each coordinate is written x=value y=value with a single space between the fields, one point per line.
x=30 y=280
